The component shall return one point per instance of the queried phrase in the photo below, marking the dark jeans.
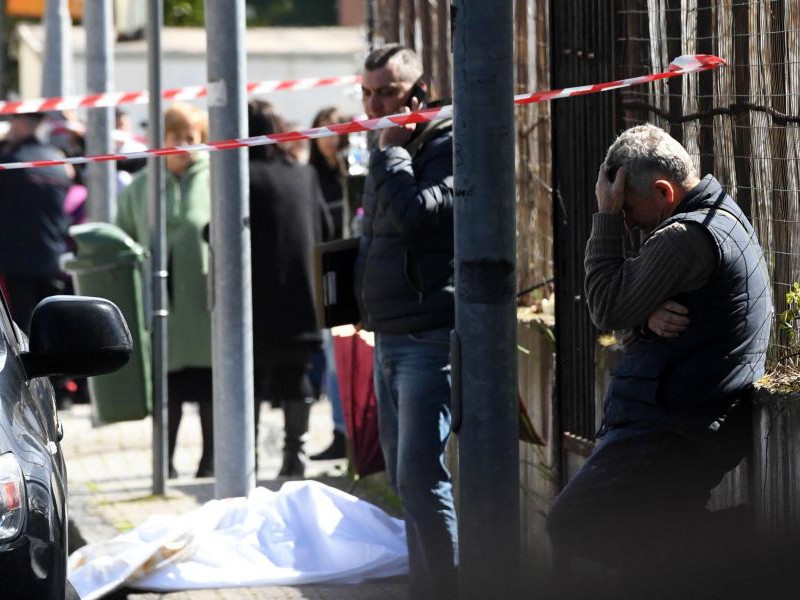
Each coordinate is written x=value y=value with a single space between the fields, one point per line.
x=638 y=507
x=413 y=391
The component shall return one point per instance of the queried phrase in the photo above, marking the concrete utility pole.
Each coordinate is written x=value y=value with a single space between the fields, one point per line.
x=99 y=27
x=158 y=247
x=57 y=49
x=232 y=316
x=485 y=253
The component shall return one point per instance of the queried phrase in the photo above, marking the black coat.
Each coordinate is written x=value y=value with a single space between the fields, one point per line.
x=33 y=226
x=331 y=181
x=285 y=223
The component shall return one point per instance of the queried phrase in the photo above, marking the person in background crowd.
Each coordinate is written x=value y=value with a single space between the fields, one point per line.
x=404 y=285
x=33 y=225
x=126 y=141
x=297 y=149
x=695 y=304
x=69 y=136
x=122 y=122
x=285 y=223
x=189 y=324
x=325 y=157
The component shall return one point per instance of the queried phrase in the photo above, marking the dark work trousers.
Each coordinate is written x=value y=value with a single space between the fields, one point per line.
x=638 y=507
x=191 y=385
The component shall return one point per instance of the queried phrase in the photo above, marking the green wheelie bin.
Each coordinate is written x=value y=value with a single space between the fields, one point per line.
x=107 y=263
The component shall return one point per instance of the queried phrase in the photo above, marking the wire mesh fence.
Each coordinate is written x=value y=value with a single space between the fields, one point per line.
x=741 y=123
x=423 y=25
x=534 y=149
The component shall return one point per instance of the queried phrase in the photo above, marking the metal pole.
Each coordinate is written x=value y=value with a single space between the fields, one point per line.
x=158 y=247
x=231 y=316
x=99 y=78
x=57 y=49
x=485 y=254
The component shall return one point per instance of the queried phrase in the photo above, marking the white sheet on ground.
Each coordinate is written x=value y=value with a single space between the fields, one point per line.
x=305 y=533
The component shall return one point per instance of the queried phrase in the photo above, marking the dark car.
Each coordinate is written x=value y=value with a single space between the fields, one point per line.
x=72 y=336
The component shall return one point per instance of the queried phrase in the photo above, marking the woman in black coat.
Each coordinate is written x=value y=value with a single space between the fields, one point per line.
x=325 y=156
x=285 y=222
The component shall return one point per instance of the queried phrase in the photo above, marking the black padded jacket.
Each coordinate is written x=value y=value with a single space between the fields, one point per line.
x=404 y=271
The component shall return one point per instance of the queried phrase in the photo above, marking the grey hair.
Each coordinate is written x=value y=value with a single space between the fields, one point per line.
x=649 y=152
x=409 y=65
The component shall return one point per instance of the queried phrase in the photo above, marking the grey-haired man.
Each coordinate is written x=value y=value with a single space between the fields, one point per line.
x=696 y=303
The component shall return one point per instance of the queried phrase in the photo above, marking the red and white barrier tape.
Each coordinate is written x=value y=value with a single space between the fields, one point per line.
x=184 y=93
x=690 y=63
x=679 y=67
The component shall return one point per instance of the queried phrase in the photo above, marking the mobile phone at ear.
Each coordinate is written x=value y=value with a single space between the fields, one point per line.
x=418 y=91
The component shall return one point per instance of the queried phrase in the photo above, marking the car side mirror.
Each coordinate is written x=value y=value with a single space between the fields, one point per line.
x=78 y=337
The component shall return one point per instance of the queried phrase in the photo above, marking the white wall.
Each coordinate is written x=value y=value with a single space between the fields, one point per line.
x=187 y=66
x=300 y=106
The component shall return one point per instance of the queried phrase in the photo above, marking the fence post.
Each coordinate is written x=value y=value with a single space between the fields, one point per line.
x=486 y=325
x=234 y=456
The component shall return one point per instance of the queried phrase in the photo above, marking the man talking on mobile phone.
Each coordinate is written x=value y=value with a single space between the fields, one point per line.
x=404 y=286
x=696 y=305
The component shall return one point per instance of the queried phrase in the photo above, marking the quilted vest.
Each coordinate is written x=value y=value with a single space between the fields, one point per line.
x=688 y=382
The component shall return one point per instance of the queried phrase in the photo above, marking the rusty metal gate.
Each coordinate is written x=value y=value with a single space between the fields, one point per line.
x=582 y=52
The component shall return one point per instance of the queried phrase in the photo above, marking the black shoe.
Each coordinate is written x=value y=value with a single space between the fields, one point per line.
x=337 y=449
x=294 y=464
x=295 y=429
x=205 y=469
x=172 y=473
